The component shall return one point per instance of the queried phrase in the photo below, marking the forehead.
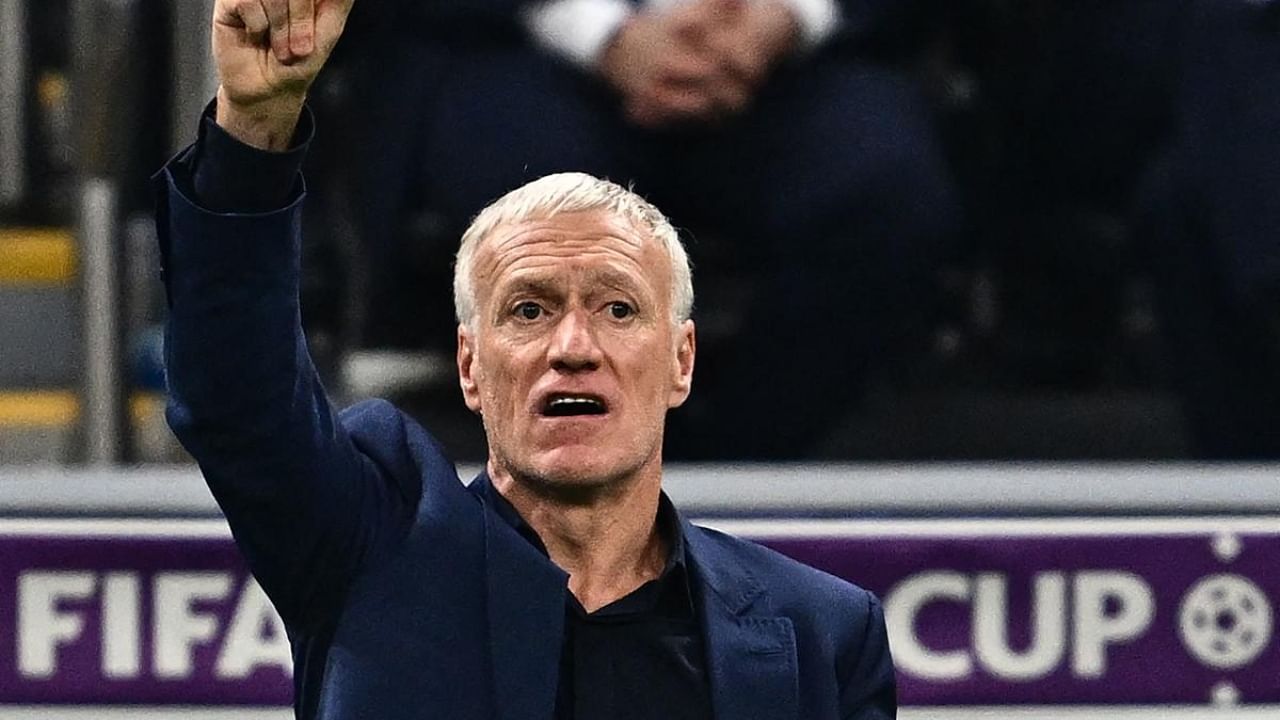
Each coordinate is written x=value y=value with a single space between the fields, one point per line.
x=598 y=243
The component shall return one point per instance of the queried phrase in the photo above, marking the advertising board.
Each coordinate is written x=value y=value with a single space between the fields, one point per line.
x=1003 y=615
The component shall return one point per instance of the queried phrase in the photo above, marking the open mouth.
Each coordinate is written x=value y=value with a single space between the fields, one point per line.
x=568 y=405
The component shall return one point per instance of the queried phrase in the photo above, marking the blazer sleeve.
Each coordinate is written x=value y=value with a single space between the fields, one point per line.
x=305 y=506
x=869 y=689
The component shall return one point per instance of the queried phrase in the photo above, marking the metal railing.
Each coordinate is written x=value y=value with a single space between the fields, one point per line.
x=105 y=84
x=764 y=490
x=13 y=121
x=109 y=96
x=194 y=78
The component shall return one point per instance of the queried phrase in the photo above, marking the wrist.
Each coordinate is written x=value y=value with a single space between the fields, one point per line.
x=576 y=30
x=266 y=124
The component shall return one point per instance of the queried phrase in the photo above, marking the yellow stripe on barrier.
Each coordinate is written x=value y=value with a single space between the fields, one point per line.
x=143 y=405
x=32 y=409
x=61 y=408
x=37 y=256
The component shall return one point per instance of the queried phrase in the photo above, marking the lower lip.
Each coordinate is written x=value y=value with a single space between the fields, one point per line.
x=574 y=418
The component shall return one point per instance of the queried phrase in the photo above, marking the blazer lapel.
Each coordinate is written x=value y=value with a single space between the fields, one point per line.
x=751 y=654
x=526 y=622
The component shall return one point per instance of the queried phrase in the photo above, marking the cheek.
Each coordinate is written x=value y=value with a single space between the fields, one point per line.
x=654 y=371
x=501 y=377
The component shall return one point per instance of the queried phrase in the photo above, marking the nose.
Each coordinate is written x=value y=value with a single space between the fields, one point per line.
x=573 y=345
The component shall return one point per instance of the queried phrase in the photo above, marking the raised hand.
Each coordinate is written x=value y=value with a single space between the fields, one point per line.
x=268 y=52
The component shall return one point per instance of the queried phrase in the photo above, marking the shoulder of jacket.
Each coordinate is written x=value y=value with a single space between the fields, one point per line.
x=792 y=586
x=401 y=448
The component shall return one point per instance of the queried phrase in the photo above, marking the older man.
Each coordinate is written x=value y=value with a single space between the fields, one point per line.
x=561 y=583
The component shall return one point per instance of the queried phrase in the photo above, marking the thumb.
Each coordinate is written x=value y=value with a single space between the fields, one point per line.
x=331 y=18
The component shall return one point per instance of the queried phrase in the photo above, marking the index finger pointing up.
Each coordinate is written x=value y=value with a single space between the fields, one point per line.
x=302 y=27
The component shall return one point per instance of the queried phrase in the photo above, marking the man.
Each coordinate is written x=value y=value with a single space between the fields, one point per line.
x=561 y=583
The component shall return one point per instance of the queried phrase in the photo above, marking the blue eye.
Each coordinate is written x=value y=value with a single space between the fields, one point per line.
x=529 y=310
x=621 y=310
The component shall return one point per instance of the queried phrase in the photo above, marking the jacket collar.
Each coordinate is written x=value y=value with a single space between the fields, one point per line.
x=733 y=585
x=670 y=524
x=526 y=601
x=751 y=653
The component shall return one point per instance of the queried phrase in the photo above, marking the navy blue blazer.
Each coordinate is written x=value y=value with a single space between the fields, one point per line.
x=404 y=595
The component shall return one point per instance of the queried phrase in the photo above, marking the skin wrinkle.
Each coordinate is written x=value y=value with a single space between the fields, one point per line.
x=533 y=283
x=648 y=224
x=582 y=249
x=588 y=485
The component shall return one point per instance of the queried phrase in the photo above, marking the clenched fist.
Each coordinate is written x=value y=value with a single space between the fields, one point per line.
x=268 y=52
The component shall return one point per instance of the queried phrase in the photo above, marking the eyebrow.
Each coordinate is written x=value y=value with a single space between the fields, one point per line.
x=528 y=286
x=547 y=286
x=616 y=279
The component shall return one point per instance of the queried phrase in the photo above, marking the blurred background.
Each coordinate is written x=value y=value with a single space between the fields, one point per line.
x=967 y=258
x=1060 y=215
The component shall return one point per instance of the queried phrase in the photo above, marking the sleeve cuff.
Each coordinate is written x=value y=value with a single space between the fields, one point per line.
x=576 y=30
x=818 y=20
x=232 y=177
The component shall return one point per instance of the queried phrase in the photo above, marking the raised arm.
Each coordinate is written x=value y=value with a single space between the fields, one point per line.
x=306 y=504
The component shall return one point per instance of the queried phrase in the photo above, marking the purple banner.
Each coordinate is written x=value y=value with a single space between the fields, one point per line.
x=1079 y=612
x=996 y=613
x=107 y=617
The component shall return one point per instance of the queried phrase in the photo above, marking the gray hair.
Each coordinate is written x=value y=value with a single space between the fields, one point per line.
x=569 y=193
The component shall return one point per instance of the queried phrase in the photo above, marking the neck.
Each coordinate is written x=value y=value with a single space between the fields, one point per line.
x=608 y=541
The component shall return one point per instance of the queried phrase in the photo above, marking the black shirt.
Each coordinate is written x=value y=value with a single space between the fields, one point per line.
x=639 y=658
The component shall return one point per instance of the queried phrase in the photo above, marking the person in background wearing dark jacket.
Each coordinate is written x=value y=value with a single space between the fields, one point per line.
x=559 y=584
x=1210 y=221
x=808 y=174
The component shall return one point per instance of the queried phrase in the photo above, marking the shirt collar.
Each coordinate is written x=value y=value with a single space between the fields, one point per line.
x=675 y=571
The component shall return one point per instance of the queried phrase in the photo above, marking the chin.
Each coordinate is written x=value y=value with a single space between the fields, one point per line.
x=580 y=469
x=575 y=467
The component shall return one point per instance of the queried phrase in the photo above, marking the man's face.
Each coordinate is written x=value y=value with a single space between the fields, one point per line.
x=573 y=360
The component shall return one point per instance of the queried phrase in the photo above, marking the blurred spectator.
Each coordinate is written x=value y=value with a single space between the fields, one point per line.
x=1062 y=106
x=755 y=123
x=1211 y=221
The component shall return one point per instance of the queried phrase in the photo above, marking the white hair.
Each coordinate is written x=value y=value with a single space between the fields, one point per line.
x=570 y=193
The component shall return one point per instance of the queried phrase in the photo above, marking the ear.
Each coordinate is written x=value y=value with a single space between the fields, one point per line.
x=467 y=369
x=682 y=364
